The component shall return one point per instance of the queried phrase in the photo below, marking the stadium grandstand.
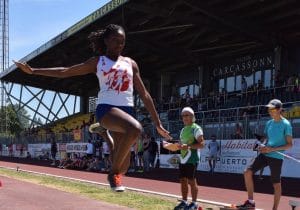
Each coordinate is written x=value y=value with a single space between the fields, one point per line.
x=224 y=60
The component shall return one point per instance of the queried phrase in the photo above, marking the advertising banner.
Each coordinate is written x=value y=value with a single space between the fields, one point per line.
x=37 y=150
x=62 y=147
x=169 y=161
x=76 y=147
x=77 y=134
x=235 y=155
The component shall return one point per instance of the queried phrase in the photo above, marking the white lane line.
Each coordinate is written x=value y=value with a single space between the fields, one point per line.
x=129 y=188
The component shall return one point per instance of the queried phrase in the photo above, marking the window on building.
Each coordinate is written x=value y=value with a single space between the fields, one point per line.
x=221 y=85
x=193 y=90
x=267 y=78
x=233 y=83
x=238 y=83
x=249 y=80
x=182 y=90
x=257 y=76
x=230 y=84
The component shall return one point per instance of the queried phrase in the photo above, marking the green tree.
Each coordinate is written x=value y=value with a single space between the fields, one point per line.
x=37 y=121
x=2 y=120
x=23 y=116
x=13 y=121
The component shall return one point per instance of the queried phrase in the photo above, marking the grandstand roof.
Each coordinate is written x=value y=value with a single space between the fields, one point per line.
x=167 y=36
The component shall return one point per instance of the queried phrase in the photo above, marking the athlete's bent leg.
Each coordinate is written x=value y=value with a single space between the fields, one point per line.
x=118 y=121
x=117 y=139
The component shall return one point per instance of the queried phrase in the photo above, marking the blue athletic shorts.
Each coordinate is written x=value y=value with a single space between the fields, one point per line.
x=102 y=109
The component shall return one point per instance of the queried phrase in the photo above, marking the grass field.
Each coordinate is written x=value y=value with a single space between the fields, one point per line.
x=130 y=199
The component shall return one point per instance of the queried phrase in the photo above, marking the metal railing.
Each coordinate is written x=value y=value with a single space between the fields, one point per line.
x=223 y=123
x=256 y=96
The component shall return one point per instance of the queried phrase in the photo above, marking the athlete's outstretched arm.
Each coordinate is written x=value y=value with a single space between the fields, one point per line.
x=147 y=99
x=87 y=67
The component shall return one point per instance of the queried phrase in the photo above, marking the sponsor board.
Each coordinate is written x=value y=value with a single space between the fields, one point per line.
x=226 y=164
x=62 y=147
x=235 y=155
x=76 y=147
x=21 y=147
x=169 y=161
x=38 y=149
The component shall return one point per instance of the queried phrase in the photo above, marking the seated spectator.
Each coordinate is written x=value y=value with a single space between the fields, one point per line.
x=249 y=111
x=279 y=80
x=172 y=102
x=259 y=85
x=84 y=163
x=74 y=164
x=95 y=165
x=28 y=155
x=106 y=155
x=188 y=99
x=290 y=82
x=238 y=131
x=297 y=84
x=44 y=156
x=65 y=161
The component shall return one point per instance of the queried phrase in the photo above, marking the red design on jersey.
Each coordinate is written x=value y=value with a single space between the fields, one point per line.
x=117 y=80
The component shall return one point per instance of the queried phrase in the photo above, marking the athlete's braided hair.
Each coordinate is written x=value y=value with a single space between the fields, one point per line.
x=97 y=37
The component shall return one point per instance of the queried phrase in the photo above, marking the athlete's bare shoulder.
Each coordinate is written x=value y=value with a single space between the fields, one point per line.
x=92 y=62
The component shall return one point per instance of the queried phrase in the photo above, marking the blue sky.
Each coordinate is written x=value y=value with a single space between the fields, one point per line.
x=32 y=23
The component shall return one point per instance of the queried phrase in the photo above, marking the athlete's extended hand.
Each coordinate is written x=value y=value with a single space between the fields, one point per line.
x=184 y=146
x=24 y=67
x=171 y=146
x=163 y=132
x=265 y=149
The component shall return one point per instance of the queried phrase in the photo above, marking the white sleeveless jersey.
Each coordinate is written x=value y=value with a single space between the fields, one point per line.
x=115 y=81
